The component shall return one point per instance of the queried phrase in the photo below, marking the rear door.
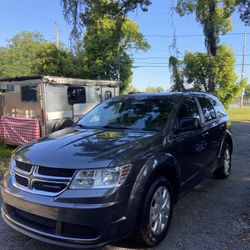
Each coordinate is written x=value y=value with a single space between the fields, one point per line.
x=214 y=130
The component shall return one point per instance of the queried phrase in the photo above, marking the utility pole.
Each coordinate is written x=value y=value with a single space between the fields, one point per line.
x=57 y=34
x=243 y=69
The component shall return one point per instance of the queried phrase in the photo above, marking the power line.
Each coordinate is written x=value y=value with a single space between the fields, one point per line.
x=193 y=35
x=166 y=66
x=167 y=57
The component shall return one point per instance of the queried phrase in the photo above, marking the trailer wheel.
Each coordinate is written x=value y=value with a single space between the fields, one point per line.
x=63 y=123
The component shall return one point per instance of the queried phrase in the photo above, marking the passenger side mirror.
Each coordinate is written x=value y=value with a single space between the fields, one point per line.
x=189 y=124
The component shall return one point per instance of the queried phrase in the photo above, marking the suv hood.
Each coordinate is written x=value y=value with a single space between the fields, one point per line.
x=84 y=148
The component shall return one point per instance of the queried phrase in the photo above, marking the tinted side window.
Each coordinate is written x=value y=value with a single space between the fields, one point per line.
x=219 y=109
x=188 y=109
x=29 y=93
x=207 y=109
x=76 y=95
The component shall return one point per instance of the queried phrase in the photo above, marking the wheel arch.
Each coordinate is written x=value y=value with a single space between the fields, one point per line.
x=227 y=138
x=163 y=164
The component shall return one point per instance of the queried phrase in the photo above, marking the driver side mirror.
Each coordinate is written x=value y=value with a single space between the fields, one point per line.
x=189 y=124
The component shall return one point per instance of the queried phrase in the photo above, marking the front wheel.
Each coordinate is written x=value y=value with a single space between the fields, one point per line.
x=156 y=214
x=224 y=168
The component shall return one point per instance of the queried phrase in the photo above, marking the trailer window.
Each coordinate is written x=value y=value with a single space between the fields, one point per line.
x=76 y=95
x=108 y=94
x=29 y=93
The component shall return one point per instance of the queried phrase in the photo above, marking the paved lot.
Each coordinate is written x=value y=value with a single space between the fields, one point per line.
x=215 y=215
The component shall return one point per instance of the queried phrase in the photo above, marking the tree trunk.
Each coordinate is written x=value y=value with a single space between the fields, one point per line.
x=211 y=40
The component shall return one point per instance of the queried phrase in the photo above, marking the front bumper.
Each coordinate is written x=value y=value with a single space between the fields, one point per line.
x=75 y=218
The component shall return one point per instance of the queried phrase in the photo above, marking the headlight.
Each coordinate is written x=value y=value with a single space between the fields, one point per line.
x=100 y=178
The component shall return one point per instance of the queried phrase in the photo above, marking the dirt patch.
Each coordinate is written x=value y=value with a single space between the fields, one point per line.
x=4 y=163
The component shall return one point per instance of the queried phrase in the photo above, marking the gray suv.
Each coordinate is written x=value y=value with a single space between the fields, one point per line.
x=118 y=172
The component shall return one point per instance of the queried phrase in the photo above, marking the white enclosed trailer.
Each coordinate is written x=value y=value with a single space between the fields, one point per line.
x=56 y=102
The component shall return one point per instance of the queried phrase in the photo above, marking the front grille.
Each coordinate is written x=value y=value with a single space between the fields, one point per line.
x=59 y=172
x=49 y=186
x=51 y=226
x=22 y=180
x=41 y=180
x=26 y=167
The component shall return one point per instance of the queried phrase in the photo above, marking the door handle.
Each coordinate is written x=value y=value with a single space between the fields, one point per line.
x=222 y=126
x=205 y=134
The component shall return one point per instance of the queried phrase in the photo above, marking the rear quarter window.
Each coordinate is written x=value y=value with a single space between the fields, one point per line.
x=219 y=109
x=207 y=108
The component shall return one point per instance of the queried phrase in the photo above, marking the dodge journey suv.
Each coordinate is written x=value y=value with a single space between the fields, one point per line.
x=118 y=172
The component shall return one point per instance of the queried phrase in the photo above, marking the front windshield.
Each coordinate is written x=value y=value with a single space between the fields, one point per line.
x=130 y=113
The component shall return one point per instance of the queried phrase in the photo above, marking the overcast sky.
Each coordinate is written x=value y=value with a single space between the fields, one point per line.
x=151 y=67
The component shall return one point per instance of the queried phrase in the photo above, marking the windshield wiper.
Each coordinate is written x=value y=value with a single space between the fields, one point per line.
x=116 y=127
x=80 y=125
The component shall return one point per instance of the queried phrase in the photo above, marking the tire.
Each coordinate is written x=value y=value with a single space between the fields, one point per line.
x=224 y=168
x=147 y=233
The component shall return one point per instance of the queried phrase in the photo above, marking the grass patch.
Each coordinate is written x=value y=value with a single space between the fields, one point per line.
x=239 y=114
x=5 y=150
x=5 y=153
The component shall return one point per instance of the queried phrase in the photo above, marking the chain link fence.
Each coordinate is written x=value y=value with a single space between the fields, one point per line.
x=236 y=104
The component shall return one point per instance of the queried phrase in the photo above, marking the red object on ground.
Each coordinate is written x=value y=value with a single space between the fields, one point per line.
x=17 y=130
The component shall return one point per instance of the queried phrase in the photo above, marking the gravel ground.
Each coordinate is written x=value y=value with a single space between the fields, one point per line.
x=214 y=215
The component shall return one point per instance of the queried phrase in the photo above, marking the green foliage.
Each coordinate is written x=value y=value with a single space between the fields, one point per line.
x=215 y=18
x=107 y=42
x=247 y=91
x=5 y=151
x=154 y=89
x=56 y=61
x=213 y=15
x=177 y=74
x=78 y=12
x=244 y=9
x=28 y=53
x=130 y=89
x=18 y=57
x=197 y=67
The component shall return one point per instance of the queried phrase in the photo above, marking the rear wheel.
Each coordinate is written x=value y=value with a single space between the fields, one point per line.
x=224 y=169
x=156 y=214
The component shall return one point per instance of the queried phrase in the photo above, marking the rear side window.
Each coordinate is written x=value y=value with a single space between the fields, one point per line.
x=219 y=109
x=76 y=95
x=188 y=109
x=207 y=109
x=29 y=93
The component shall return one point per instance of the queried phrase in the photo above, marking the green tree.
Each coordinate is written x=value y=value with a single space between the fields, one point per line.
x=51 y=60
x=215 y=18
x=130 y=89
x=18 y=57
x=108 y=39
x=79 y=12
x=154 y=89
x=177 y=76
x=198 y=66
x=28 y=53
x=247 y=91
x=244 y=9
x=105 y=50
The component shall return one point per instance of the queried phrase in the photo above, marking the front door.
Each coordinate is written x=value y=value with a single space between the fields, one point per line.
x=193 y=145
